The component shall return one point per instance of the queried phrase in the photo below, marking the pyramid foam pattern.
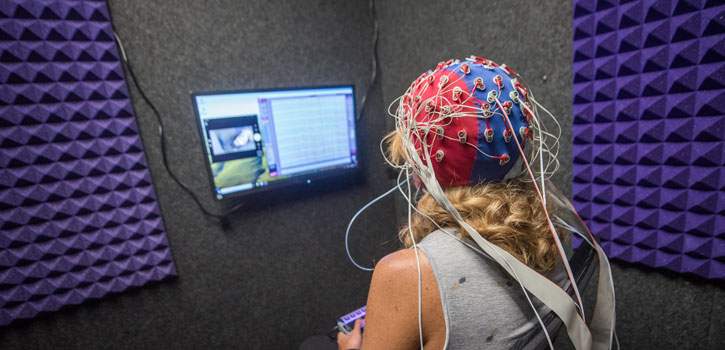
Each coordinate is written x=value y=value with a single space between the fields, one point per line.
x=78 y=213
x=649 y=125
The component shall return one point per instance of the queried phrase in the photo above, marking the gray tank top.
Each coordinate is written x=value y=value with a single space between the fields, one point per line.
x=483 y=307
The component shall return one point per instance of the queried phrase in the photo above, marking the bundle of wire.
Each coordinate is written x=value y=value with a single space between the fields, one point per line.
x=473 y=121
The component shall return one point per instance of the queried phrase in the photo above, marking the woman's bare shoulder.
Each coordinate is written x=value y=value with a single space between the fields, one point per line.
x=400 y=261
x=397 y=273
x=391 y=322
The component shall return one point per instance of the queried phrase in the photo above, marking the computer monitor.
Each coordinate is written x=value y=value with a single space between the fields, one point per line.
x=264 y=139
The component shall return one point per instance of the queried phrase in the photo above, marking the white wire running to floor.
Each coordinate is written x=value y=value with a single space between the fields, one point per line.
x=347 y=232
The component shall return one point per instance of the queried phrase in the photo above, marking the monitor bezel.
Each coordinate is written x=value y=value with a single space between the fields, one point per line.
x=295 y=181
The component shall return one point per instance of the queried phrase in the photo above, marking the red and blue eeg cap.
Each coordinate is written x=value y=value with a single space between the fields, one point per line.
x=459 y=111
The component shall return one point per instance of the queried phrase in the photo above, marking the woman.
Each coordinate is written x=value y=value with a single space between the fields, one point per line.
x=468 y=127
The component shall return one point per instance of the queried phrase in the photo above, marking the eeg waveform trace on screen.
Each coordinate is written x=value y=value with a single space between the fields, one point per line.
x=262 y=138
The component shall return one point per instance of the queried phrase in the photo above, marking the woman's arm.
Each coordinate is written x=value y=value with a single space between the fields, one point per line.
x=392 y=307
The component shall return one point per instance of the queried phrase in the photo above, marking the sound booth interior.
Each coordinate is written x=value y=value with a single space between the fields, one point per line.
x=126 y=222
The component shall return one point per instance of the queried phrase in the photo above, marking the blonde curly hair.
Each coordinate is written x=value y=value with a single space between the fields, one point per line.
x=507 y=214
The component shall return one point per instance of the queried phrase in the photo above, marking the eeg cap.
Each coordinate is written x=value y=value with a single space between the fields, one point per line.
x=458 y=111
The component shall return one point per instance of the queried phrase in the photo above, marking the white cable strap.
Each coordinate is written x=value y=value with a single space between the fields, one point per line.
x=602 y=325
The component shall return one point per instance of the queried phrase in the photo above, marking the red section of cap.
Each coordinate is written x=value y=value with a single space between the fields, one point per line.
x=457 y=163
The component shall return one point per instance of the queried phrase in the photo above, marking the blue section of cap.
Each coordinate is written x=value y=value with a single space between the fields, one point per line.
x=486 y=169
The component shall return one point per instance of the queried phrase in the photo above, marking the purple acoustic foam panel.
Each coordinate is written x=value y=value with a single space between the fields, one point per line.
x=649 y=130
x=78 y=213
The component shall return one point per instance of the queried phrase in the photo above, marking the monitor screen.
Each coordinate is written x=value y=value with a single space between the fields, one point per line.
x=266 y=138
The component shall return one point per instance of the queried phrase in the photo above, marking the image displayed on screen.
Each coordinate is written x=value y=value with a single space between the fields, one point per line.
x=261 y=138
x=232 y=140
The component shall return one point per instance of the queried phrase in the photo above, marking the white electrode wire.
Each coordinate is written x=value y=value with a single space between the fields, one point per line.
x=541 y=160
x=347 y=232
x=417 y=260
x=120 y=46
x=542 y=129
x=543 y=132
x=559 y=245
x=616 y=339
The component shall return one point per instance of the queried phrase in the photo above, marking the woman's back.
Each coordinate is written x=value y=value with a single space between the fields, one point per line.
x=482 y=306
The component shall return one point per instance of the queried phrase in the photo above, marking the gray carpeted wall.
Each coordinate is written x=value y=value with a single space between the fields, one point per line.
x=280 y=274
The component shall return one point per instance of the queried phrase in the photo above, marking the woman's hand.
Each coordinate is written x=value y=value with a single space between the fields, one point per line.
x=352 y=341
